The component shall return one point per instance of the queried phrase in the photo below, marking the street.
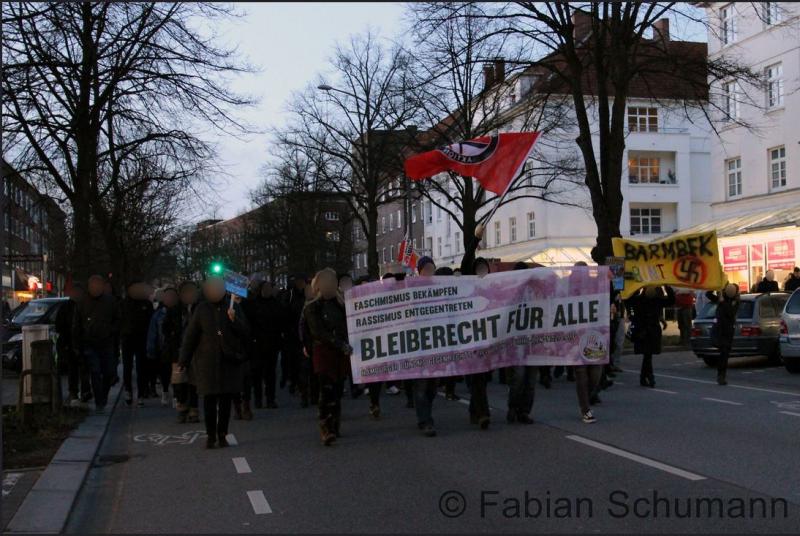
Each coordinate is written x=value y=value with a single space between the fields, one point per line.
x=650 y=456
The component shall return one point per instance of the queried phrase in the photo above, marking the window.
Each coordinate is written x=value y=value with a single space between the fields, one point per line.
x=531 y=224
x=774 y=77
x=399 y=219
x=383 y=255
x=645 y=221
x=770 y=13
x=644 y=170
x=438 y=213
x=332 y=216
x=391 y=253
x=733 y=169
x=777 y=167
x=497 y=233
x=391 y=221
x=512 y=229
x=429 y=245
x=458 y=242
x=641 y=119
x=383 y=224
x=727 y=17
x=413 y=213
x=449 y=219
x=429 y=212
x=730 y=101
x=439 y=246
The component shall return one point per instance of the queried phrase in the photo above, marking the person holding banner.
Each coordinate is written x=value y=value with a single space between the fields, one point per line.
x=647 y=308
x=725 y=328
x=425 y=388
x=521 y=379
x=213 y=351
x=327 y=325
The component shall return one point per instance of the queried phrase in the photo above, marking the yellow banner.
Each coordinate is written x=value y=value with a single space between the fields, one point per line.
x=688 y=260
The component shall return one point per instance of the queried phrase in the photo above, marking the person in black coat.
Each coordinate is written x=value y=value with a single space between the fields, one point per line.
x=647 y=309
x=768 y=284
x=136 y=312
x=266 y=316
x=213 y=350
x=792 y=283
x=175 y=322
x=77 y=370
x=727 y=308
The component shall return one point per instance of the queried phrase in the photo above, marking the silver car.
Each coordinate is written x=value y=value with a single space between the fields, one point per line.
x=790 y=333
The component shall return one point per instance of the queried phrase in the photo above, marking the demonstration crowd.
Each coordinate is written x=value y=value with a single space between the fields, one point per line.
x=203 y=342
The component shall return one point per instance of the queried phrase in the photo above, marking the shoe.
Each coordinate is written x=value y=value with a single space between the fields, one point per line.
x=210 y=443
x=511 y=417
x=652 y=380
x=165 y=399
x=223 y=442
x=75 y=402
x=140 y=403
x=128 y=398
x=393 y=390
x=484 y=423
x=452 y=397
x=721 y=380
x=375 y=412
x=429 y=431
x=272 y=405
x=588 y=417
x=524 y=419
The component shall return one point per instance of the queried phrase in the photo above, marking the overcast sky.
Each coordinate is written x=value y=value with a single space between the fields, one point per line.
x=290 y=43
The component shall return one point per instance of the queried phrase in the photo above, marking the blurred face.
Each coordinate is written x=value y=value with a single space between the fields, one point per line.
x=345 y=284
x=214 y=289
x=328 y=285
x=731 y=290
x=96 y=286
x=266 y=290
x=770 y=275
x=428 y=269
x=189 y=295
x=170 y=298
x=481 y=270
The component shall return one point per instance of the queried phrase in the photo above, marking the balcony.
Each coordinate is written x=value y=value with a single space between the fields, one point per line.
x=646 y=168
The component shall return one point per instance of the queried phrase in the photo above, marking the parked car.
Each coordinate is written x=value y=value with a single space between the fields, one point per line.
x=41 y=311
x=790 y=333
x=756 y=333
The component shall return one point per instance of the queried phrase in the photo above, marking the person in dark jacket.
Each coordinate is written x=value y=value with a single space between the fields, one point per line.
x=175 y=322
x=768 y=284
x=647 y=308
x=77 y=369
x=266 y=317
x=213 y=349
x=136 y=312
x=294 y=300
x=95 y=328
x=792 y=283
x=425 y=388
x=309 y=381
x=327 y=325
x=155 y=341
x=727 y=308
x=521 y=379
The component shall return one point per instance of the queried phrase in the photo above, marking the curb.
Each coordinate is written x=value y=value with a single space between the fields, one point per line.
x=47 y=505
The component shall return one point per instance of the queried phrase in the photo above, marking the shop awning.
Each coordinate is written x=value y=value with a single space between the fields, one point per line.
x=750 y=223
x=560 y=256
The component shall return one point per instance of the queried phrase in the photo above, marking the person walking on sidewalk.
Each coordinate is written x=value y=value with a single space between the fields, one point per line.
x=95 y=329
x=156 y=350
x=213 y=351
x=425 y=388
x=175 y=322
x=79 y=380
x=136 y=312
x=727 y=308
x=327 y=325
x=521 y=379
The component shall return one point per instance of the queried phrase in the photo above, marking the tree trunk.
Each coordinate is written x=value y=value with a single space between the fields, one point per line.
x=373 y=268
x=469 y=215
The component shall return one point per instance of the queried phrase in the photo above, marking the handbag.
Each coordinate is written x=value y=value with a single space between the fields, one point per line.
x=230 y=355
x=179 y=375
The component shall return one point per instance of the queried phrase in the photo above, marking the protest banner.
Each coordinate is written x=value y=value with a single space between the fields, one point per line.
x=235 y=283
x=448 y=326
x=687 y=260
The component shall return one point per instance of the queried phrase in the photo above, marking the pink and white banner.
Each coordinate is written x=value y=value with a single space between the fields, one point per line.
x=448 y=326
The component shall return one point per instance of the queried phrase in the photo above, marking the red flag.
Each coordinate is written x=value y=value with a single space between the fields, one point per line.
x=493 y=160
x=406 y=254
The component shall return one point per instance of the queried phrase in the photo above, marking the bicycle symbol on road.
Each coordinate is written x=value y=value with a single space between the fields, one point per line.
x=187 y=438
x=792 y=405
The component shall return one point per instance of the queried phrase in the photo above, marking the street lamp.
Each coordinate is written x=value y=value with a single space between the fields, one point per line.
x=325 y=87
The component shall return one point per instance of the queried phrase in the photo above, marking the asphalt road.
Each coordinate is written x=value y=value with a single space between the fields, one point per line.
x=689 y=446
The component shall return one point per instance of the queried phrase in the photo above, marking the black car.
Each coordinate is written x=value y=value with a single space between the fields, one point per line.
x=758 y=325
x=42 y=311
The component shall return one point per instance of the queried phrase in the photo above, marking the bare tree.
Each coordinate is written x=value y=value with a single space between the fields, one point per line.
x=353 y=135
x=89 y=86
x=471 y=78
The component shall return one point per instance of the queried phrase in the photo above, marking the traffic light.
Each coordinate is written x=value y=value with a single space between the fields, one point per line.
x=216 y=268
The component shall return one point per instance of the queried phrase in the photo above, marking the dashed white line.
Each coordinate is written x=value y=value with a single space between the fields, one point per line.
x=639 y=459
x=259 y=502
x=732 y=403
x=730 y=385
x=241 y=465
x=664 y=391
x=232 y=439
x=791 y=413
x=464 y=401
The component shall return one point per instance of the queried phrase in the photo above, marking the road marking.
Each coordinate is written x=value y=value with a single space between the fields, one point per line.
x=241 y=465
x=617 y=382
x=636 y=458
x=231 y=440
x=259 y=502
x=792 y=413
x=723 y=401
x=775 y=391
x=9 y=481
x=664 y=391
x=464 y=401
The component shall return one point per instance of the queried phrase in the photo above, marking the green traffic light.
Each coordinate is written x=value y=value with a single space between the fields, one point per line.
x=216 y=268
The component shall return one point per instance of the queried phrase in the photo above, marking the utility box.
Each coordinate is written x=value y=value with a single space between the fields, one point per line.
x=37 y=357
